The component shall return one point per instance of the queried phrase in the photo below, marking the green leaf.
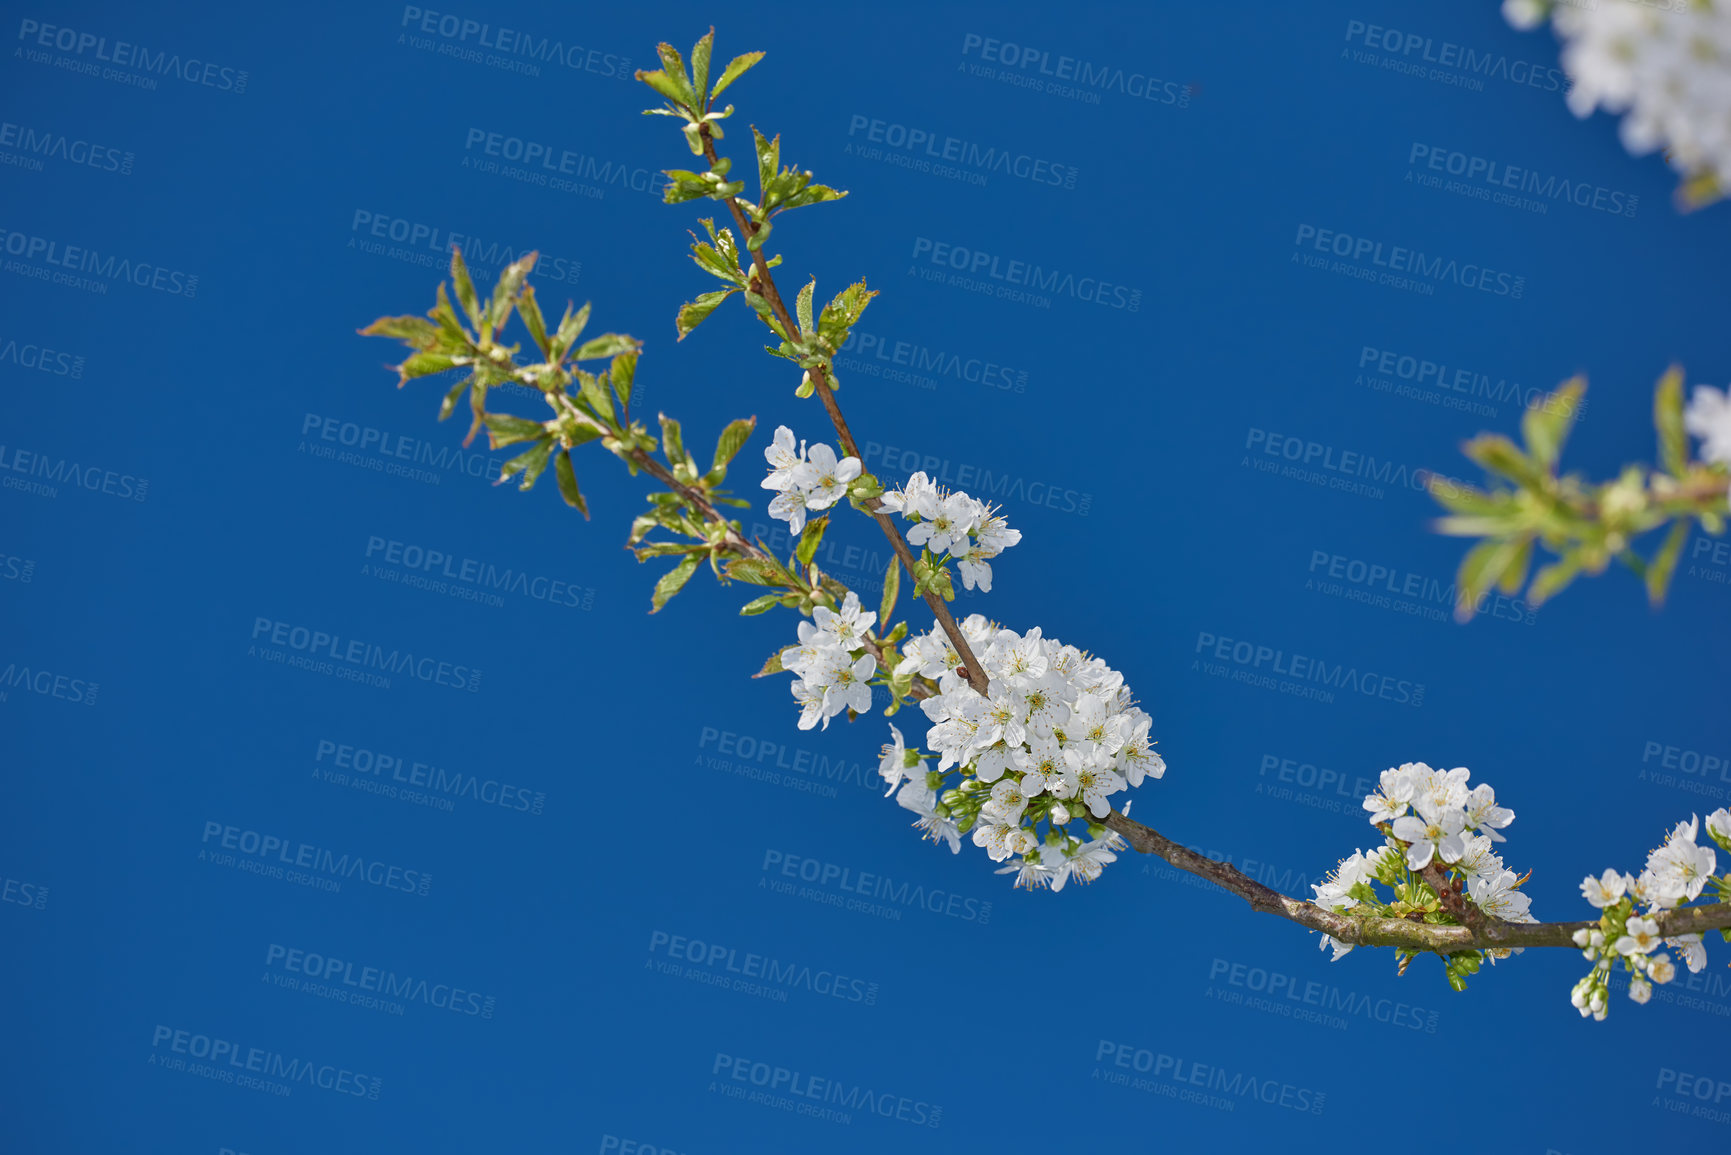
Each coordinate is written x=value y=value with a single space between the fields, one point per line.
x=1553 y=579
x=465 y=287
x=1546 y=427
x=840 y=314
x=531 y=464
x=423 y=364
x=449 y=405
x=672 y=442
x=761 y=306
x=809 y=540
x=673 y=581
x=772 y=665
x=567 y=478
x=530 y=310
x=892 y=589
x=760 y=605
x=1664 y=563
x=570 y=328
x=665 y=85
x=802 y=306
x=1668 y=419
x=1479 y=571
x=606 y=345
x=755 y=572
x=505 y=291
x=447 y=317
x=504 y=429
x=416 y=331
x=768 y=160
x=595 y=393
x=734 y=70
x=1515 y=574
x=674 y=64
x=1498 y=454
x=733 y=439
x=624 y=372
x=700 y=63
x=696 y=312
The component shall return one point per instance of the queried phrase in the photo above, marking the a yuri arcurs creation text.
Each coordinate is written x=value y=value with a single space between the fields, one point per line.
x=1036 y=742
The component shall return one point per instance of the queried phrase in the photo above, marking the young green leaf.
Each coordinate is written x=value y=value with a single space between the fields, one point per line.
x=673 y=581
x=622 y=374
x=892 y=589
x=1668 y=419
x=672 y=442
x=606 y=345
x=1664 y=563
x=664 y=85
x=421 y=365
x=449 y=405
x=809 y=540
x=674 y=64
x=530 y=463
x=567 y=478
x=504 y=429
x=772 y=666
x=696 y=312
x=1546 y=427
x=465 y=287
x=570 y=328
x=735 y=68
x=416 y=332
x=768 y=161
x=700 y=64
x=754 y=572
x=802 y=306
x=505 y=291
x=732 y=440
x=530 y=310
x=760 y=605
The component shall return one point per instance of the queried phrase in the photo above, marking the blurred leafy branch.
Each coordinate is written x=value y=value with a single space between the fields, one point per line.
x=1584 y=525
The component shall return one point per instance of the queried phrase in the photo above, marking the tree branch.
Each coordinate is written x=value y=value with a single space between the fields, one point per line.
x=975 y=673
x=1491 y=934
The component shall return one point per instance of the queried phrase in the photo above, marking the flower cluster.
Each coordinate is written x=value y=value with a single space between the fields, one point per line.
x=1675 y=874
x=1665 y=68
x=1053 y=740
x=833 y=663
x=968 y=530
x=804 y=478
x=1428 y=817
x=1709 y=418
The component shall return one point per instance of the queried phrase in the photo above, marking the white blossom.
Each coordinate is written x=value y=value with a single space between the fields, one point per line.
x=804 y=478
x=968 y=530
x=1709 y=418
x=1605 y=890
